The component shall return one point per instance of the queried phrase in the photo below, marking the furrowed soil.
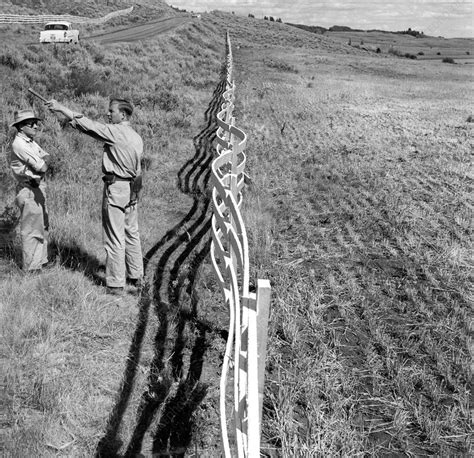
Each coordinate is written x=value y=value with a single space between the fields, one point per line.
x=359 y=211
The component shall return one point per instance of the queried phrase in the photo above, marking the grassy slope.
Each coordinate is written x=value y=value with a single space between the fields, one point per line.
x=358 y=212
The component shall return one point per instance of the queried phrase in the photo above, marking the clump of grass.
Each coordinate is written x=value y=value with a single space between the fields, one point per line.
x=395 y=51
x=280 y=65
x=9 y=217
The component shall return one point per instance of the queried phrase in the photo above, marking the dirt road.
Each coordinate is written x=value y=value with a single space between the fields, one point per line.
x=139 y=32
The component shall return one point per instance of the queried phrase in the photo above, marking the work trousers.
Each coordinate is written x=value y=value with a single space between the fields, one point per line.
x=34 y=225
x=120 y=234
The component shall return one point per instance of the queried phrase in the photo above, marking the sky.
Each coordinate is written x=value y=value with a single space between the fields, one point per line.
x=448 y=18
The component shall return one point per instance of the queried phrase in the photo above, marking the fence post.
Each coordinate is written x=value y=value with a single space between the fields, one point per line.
x=263 y=311
x=258 y=309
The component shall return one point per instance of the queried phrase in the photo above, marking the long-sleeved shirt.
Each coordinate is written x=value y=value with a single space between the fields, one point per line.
x=27 y=159
x=123 y=147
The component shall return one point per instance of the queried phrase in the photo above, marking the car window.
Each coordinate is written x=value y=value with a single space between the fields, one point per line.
x=56 y=27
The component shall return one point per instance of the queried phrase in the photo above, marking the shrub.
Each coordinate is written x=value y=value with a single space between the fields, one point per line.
x=421 y=53
x=10 y=60
x=87 y=81
x=448 y=60
x=166 y=99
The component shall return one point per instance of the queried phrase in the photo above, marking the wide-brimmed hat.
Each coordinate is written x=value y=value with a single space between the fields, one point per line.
x=23 y=115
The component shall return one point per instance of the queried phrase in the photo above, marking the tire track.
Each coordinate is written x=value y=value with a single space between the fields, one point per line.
x=164 y=418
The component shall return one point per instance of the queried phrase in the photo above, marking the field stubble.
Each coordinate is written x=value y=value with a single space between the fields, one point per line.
x=363 y=177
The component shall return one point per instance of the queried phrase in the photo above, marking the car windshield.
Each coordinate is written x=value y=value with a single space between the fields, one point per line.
x=56 y=27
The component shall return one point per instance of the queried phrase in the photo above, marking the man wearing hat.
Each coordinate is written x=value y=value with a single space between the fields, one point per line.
x=28 y=162
x=121 y=166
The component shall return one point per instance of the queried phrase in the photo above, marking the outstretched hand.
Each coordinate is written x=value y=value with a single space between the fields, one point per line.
x=53 y=105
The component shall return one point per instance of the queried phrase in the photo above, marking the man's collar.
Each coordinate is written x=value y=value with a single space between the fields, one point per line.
x=25 y=137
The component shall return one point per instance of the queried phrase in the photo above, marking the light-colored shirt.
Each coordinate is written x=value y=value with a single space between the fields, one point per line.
x=123 y=147
x=27 y=159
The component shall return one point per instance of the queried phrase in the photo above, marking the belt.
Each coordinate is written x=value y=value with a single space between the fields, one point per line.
x=110 y=178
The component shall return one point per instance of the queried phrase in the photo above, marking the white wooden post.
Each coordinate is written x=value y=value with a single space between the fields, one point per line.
x=258 y=311
x=263 y=311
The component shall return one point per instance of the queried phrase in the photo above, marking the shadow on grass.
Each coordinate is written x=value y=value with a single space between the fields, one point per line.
x=173 y=392
x=74 y=257
x=110 y=442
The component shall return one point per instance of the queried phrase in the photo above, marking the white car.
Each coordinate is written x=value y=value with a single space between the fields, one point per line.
x=59 y=32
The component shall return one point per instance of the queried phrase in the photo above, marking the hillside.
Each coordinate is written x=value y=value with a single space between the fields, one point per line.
x=90 y=8
x=357 y=208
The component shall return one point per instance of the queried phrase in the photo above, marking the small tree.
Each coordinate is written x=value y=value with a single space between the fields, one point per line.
x=272 y=19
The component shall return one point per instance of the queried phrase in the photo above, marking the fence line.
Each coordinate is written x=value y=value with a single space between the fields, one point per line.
x=248 y=312
x=32 y=19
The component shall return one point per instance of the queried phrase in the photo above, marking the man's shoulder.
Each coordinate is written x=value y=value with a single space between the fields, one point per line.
x=126 y=125
x=19 y=142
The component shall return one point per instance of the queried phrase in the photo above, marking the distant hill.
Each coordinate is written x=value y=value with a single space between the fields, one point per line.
x=344 y=28
x=309 y=28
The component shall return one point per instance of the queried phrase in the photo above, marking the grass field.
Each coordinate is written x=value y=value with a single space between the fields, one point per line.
x=358 y=209
x=438 y=48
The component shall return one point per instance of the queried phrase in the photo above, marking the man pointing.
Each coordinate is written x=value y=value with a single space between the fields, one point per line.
x=123 y=149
